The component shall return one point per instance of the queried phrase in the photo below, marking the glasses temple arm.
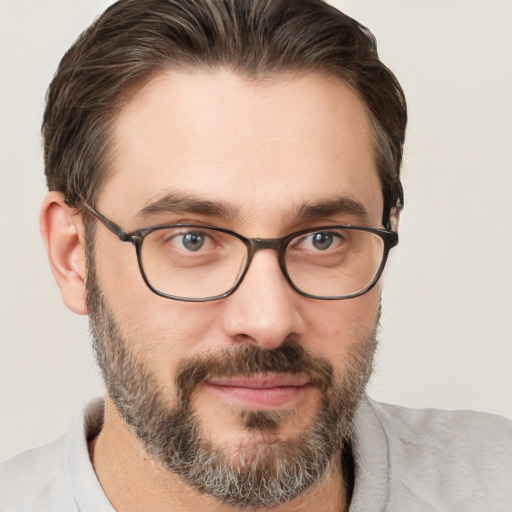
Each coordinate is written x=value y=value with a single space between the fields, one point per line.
x=112 y=226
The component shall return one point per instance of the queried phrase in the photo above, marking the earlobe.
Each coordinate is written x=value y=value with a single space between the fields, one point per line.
x=61 y=229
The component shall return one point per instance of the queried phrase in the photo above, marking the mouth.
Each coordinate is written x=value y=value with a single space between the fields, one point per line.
x=260 y=392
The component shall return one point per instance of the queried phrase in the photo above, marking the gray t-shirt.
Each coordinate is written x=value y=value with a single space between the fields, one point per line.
x=410 y=460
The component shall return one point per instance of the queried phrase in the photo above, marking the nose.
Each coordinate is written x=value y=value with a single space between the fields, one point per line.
x=264 y=310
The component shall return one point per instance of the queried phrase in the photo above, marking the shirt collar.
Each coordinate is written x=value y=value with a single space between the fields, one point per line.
x=369 y=451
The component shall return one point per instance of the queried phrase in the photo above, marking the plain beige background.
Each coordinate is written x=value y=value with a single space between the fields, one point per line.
x=446 y=338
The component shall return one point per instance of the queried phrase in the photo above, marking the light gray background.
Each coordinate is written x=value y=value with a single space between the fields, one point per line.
x=446 y=338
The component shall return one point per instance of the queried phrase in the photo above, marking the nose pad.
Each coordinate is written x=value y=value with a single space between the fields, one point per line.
x=264 y=309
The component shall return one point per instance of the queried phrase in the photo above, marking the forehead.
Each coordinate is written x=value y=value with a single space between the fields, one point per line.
x=265 y=147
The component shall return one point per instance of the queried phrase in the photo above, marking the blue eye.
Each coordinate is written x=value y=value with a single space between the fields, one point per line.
x=322 y=240
x=193 y=241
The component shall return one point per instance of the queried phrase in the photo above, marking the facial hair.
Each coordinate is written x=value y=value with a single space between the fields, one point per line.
x=265 y=472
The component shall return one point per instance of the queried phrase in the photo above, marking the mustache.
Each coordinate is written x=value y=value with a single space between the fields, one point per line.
x=248 y=360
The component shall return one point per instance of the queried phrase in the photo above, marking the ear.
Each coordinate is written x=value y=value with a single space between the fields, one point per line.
x=394 y=219
x=62 y=232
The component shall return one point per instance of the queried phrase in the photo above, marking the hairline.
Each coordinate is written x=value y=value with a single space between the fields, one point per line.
x=256 y=77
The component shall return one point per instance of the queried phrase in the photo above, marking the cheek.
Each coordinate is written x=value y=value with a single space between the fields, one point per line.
x=159 y=331
x=166 y=331
x=338 y=328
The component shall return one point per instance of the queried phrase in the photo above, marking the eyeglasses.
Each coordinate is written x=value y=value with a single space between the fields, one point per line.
x=196 y=263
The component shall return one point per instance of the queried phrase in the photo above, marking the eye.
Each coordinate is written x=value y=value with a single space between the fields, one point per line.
x=193 y=241
x=190 y=241
x=320 y=241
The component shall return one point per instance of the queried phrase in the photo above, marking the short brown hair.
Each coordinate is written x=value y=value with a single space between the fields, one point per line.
x=136 y=39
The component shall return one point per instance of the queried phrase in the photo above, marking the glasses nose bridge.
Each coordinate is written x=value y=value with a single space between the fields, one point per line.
x=274 y=244
x=259 y=244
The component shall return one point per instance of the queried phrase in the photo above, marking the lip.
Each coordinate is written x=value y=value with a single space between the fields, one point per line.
x=261 y=392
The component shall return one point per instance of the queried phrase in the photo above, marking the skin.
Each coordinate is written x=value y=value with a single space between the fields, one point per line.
x=265 y=148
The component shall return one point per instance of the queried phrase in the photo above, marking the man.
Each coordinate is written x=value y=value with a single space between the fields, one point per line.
x=250 y=151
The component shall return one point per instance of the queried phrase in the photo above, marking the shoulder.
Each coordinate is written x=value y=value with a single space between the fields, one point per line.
x=469 y=433
x=35 y=480
x=461 y=460
x=59 y=476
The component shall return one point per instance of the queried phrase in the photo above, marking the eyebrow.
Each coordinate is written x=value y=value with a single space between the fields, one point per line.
x=341 y=205
x=190 y=204
x=178 y=203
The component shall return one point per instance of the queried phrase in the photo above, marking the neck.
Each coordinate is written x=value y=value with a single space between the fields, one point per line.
x=134 y=480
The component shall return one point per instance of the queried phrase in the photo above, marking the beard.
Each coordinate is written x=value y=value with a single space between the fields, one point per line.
x=264 y=471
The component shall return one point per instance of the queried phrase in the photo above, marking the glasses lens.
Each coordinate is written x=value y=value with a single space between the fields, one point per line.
x=335 y=262
x=192 y=262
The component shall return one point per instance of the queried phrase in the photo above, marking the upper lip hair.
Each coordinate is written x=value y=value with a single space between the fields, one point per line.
x=260 y=381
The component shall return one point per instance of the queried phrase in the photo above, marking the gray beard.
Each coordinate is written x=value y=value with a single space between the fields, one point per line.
x=265 y=472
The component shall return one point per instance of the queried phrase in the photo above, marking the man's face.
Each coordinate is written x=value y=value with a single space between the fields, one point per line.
x=254 y=377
